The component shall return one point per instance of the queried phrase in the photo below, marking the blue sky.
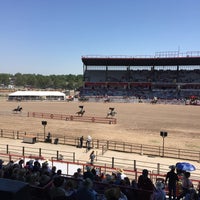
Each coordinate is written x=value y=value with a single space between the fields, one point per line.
x=50 y=36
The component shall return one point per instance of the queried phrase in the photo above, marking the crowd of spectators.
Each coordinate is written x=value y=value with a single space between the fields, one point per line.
x=165 y=84
x=49 y=183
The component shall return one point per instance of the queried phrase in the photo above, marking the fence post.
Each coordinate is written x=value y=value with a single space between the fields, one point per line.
x=107 y=145
x=17 y=134
x=113 y=160
x=159 y=151
x=1 y=132
x=74 y=158
x=136 y=175
x=158 y=168
x=57 y=155
x=199 y=156
x=38 y=137
x=23 y=150
x=7 y=149
x=141 y=151
x=97 y=144
x=134 y=165
x=40 y=152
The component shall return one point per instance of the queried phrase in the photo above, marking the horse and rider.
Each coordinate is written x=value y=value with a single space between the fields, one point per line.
x=18 y=109
x=154 y=100
x=81 y=111
x=112 y=112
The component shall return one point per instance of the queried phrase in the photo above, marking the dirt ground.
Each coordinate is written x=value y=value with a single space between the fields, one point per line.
x=136 y=123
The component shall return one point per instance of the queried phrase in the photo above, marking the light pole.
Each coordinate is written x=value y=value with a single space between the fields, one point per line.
x=163 y=134
x=44 y=123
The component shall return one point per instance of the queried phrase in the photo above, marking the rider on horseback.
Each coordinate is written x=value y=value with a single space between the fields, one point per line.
x=81 y=112
x=112 y=112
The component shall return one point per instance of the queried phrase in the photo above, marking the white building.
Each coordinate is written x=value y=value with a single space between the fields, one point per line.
x=36 y=95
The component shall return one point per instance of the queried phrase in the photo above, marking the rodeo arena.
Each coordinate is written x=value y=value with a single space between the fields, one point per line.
x=46 y=166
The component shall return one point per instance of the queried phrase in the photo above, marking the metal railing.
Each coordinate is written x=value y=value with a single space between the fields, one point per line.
x=104 y=145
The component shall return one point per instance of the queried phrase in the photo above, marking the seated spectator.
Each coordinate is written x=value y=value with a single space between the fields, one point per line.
x=79 y=173
x=88 y=173
x=159 y=192
x=70 y=191
x=120 y=173
x=115 y=194
x=44 y=179
x=186 y=185
x=86 y=191
x=57 y=191
x=53 y=171
x=36 y=166
x=1 y=163
x=33 y=179
x=21 y=162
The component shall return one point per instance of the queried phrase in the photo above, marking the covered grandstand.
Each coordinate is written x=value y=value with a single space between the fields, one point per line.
x=166 y=75
x=36 y=95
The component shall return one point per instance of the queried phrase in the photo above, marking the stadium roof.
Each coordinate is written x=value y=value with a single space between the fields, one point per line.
x=37 y=93
x=132 y=61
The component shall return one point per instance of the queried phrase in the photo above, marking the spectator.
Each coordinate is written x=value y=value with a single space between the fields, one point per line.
x=88 y=142
x=172 y=179
x=115 y=194
x=79 y=173
x=1 y=163
x=53 y=171
x=21 y=162
x=81 y=141
x=159 y=192
x=186 y=185
x=36 y=166
x=146 y=186
x=92 y=157
x=120 y=173
x=86 y=191
x=57 y=191
x=70 y=191
x=88 y=173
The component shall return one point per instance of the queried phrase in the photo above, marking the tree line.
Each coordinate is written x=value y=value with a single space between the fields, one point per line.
x=38 y=81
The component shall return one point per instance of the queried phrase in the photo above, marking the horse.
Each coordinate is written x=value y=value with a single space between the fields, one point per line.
x=112 y=113
x=18 y=109
x=106 y=100
x=81 y=112
x=154 y=100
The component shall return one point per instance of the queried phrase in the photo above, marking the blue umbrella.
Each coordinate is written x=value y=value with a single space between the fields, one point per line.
x=185 y=166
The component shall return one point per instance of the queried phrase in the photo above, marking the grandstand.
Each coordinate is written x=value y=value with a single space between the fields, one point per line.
x=166 y=75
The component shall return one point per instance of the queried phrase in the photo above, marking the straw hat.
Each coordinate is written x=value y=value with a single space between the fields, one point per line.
x=120 y=171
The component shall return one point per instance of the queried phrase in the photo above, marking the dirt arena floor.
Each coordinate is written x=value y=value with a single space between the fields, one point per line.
x=136 y=123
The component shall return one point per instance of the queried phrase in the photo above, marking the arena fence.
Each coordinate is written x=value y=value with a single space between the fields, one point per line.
x=104 y=120
x=104 y=145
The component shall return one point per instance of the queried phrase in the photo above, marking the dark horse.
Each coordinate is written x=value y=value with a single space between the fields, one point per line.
x=18 y=109
x=81 y=112
x=112 y=113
